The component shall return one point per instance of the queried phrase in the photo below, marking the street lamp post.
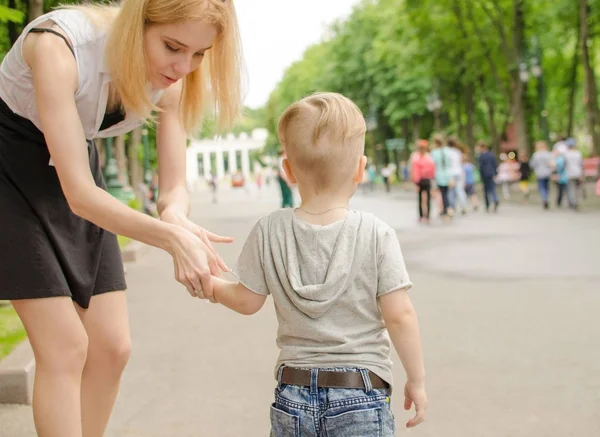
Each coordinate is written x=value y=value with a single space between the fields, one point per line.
x=534 y=68
x=371 y=122
x=111 y=172
x=434 y=104
x=147 y=173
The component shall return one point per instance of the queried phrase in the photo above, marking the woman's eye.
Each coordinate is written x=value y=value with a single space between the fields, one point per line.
x=171 y=48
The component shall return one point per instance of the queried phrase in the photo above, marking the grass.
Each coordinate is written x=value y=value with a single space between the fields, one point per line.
x=123 y=241
x=12 y=331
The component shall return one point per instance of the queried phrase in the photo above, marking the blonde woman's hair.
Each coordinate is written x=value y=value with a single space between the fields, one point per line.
x=438 y=140
x=324 y=136
x=215 y=86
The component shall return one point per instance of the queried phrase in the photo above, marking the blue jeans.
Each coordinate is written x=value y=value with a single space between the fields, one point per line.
x=543 y=188
x=562 y=189
x=489 y=190
x=457 y=197
x=331 y=412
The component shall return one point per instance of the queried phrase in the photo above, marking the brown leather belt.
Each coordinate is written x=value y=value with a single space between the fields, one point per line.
x=330 y=379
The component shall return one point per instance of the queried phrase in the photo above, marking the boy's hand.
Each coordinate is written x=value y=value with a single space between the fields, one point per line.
x=415 y=394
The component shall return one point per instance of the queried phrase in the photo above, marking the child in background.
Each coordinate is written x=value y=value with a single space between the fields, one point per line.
x=469 y=170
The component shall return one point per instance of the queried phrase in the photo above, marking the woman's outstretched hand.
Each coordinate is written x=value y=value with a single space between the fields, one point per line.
x=194 y=256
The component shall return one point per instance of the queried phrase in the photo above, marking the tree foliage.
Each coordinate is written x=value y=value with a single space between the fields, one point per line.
x=392 y=57
x=479 y=57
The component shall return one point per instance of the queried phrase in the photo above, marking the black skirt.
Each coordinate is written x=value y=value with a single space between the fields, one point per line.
x=45 y=249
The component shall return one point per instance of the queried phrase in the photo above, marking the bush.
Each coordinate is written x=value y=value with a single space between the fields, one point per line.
x=135 y=204
x=12 y=331
x=123 y=241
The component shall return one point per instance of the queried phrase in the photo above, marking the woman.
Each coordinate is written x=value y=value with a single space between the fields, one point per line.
x=75 y=75
x=457 y=194
x=441 y=155
x=423 y=172
x=542 y=163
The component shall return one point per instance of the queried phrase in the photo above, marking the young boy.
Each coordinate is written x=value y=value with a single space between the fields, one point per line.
x=469 y=171
x=338 y=280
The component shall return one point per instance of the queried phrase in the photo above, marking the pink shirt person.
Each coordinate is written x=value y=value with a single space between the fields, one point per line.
x=422 y=167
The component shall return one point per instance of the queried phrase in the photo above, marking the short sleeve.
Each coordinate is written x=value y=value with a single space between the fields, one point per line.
x=391 y=272
x=249 y=268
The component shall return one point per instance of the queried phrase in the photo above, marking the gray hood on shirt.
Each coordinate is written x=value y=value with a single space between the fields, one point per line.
x=318 y=263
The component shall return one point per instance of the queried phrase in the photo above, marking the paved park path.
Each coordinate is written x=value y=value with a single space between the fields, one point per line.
x=509 y=306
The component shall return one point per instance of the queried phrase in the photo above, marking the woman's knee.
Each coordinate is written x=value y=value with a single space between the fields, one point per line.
x=66 y=354
x=120 y=351
x=107 y=325
x=111 y=352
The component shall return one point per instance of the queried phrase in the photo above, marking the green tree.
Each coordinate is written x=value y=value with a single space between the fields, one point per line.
x=493 y=64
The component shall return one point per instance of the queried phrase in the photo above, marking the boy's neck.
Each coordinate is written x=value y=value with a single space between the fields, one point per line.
x=323 y=208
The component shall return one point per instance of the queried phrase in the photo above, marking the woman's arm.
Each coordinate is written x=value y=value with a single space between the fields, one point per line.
x=55 y=81
x=173 y=198
x=171 y=141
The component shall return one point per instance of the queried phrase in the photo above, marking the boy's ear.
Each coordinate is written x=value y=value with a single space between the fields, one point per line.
x=288 y=171
x=360 y=170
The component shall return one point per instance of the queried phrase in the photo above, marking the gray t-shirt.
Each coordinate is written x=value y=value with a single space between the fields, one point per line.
x=542 y=163
x=325 y=281
x=574 y=161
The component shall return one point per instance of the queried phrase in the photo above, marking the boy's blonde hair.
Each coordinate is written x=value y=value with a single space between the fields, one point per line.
x=215 y=85
x=324 y=136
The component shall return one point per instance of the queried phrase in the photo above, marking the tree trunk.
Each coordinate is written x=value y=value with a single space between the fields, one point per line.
x=591 y=93
x=517 y=115
x=573 y=85
x=405 y=135
x=396 y=154
x=470 y=109
x=517 y=111
x=494 y=137
x=493 y=130
x=416 y=128
x=460 y=128
x=438 y=120
x=121 y=160
x=405 y=129
x=384 y=128
x=135 y=170
x=13 y=32
x=36 y=9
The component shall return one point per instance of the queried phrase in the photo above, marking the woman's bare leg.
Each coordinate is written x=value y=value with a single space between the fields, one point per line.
x=60 y=345
x=107 y=325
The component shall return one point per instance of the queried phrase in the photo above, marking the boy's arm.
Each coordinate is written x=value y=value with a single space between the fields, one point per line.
x=237 y=297
x=402 y=324
x=249 y=270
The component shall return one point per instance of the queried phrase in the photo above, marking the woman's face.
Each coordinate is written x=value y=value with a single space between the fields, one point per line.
x=175 y=50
